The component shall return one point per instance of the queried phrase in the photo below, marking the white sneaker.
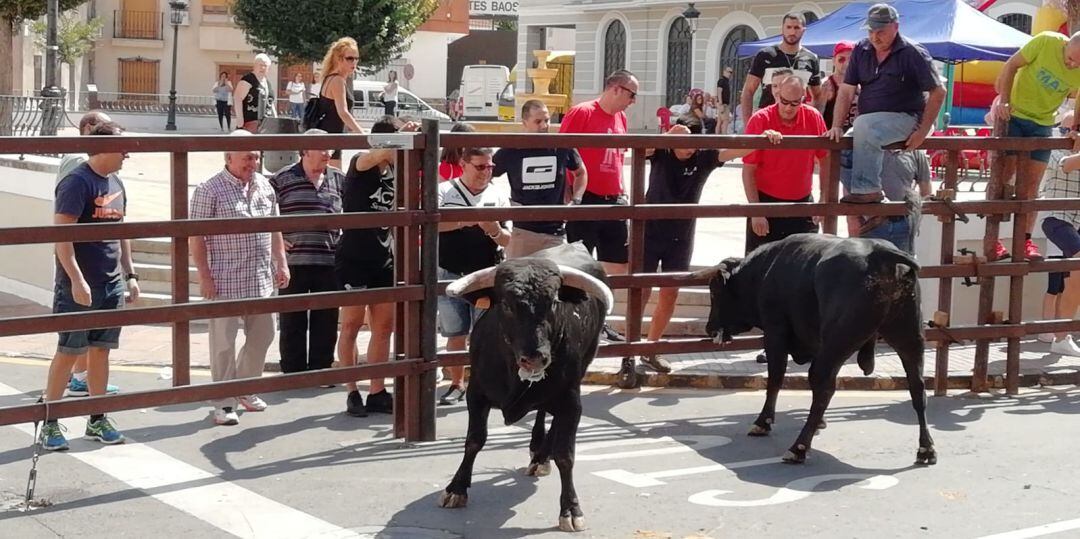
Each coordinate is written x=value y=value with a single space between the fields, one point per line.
x=252 y=403
x=1065 y=347
x=1046 y=337
x=226 y=416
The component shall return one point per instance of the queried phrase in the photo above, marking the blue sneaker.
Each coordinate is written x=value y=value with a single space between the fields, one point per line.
x=52 y=439
x=78 y=388
x=104 y=431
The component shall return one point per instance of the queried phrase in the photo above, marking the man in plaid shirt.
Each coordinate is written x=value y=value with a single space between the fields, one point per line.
x=238 y=266
x=1062 y=228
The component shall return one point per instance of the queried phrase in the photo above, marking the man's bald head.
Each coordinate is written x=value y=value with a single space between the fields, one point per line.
x=92 y=119
x=1072 y=52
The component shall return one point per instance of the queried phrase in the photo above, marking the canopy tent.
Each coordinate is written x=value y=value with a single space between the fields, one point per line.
x=951 y=30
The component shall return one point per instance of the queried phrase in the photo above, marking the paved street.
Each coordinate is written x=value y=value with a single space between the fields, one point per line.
x=650 y=464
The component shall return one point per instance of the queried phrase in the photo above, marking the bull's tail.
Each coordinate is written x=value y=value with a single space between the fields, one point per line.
x=913 y=203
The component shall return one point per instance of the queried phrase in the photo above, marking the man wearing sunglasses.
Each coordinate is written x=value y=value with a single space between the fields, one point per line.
x=780 y=175
x=604 y=115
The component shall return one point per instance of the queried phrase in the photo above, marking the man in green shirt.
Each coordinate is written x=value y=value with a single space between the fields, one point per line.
x=1031 y=87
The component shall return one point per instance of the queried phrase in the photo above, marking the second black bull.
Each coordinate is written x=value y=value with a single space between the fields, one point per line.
x=821 y=299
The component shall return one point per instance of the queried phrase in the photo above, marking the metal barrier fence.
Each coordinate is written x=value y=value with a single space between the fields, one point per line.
x=29 y=116
x=416 y=223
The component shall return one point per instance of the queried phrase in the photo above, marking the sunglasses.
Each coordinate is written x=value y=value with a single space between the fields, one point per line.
x=633 y=94
x=482 y=168
x=791 y=103
x=352 y=58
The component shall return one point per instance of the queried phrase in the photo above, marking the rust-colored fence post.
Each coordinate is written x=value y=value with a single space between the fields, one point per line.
x=634 y=305
x=401 y=177
x=181 y=331
x=1016 y=282
x=429 y=248
x=830 y=189
x=945 y=284
x=411 y=329
x=995 y=190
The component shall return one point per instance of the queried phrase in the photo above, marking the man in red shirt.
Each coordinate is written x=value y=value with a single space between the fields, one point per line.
x=781 y=175
x=604 y=166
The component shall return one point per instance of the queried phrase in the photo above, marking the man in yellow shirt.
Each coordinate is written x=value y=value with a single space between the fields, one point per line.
x=1031 y=87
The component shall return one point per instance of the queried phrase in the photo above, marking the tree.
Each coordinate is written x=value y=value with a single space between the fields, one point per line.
x=74 y=38
x=13 y=12
x=303 y=31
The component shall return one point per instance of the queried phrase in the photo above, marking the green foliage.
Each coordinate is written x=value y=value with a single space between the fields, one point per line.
x=74 y=38
x=17 y=10
x=303 y=31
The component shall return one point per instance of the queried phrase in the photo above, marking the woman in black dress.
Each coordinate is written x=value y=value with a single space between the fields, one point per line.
x=335 y=96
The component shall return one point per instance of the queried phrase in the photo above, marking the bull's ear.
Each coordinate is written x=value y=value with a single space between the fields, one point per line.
x=481 y=299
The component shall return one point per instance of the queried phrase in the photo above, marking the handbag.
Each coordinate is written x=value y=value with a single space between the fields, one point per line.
x=312 y=115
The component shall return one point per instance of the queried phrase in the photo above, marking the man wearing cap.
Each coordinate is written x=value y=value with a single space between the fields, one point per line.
x=830 y=88
x=788 y=54
x=891 y=74
x=1031 y=86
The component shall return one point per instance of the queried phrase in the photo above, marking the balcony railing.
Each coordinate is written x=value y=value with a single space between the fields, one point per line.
x=138 y=24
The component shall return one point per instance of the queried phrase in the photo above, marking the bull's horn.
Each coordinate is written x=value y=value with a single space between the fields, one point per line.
x=706 y=274
x=576 y=278
x=477 y=280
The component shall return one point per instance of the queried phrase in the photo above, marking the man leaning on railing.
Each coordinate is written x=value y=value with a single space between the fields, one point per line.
x=238 y=266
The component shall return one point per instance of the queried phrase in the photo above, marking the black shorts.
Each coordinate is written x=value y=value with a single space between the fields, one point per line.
x=1055 y=281
x=779 y=227
x=671 y=255
x=363 y=274
x=608 y=238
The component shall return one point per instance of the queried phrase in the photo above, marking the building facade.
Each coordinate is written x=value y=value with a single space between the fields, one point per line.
x=652 y=39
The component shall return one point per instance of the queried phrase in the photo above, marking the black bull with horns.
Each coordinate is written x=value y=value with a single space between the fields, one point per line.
x=529 y=351
x=822 y=299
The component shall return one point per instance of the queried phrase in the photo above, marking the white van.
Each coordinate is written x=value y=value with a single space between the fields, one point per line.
x=480 y=89
x=368 y=106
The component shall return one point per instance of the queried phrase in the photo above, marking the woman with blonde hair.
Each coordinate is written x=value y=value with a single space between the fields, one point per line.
x=335 y=95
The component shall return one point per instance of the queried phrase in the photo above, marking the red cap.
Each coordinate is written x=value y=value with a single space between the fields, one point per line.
x=843 y=46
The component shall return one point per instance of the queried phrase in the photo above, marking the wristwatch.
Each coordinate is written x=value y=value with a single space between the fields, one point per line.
x=131 y=276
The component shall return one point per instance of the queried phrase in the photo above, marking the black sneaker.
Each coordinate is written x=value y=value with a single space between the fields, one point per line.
x=657 y=363
x=381 y=402
x=610 y=335
x=628 y=376
x=354 y=405
x=452 y=396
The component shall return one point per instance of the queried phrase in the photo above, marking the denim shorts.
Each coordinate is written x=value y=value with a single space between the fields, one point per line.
x=894 y=230
x=103 y=297
x=1063 y=234
x=456 y=316
x=1020 y=127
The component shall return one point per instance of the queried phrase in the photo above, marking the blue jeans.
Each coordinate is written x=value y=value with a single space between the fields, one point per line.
x=871 y=132
x=456 y=316
x=895 y=230
x=296 y=110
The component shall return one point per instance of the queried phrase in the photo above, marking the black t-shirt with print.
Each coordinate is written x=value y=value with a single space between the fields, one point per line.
x=772 y=58
x=258 y=96
x=724 y=84
x=537 y=178
x=93 y=199
x=368 y=190
x=674 y=181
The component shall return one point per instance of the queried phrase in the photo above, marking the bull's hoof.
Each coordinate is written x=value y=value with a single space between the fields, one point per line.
x=795 y=455
x=628 y=375
x=926 y=456
x=572 y=524
x=449 y=500
x=759 y=430
x=538 y=469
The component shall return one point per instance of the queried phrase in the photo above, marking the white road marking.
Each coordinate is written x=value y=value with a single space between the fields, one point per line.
x=230 y=508
x=1038 y=531
x=587 y=451
x=793 y=491
x=652 y=479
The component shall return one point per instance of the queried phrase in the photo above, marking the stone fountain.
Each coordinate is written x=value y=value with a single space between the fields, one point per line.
x=541 y=76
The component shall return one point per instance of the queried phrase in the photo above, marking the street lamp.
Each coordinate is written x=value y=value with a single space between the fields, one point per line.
x=691 y=15
x=177 y=8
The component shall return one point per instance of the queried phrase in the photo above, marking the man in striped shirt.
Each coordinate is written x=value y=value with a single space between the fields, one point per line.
x=307 y=338
x=238 y=266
